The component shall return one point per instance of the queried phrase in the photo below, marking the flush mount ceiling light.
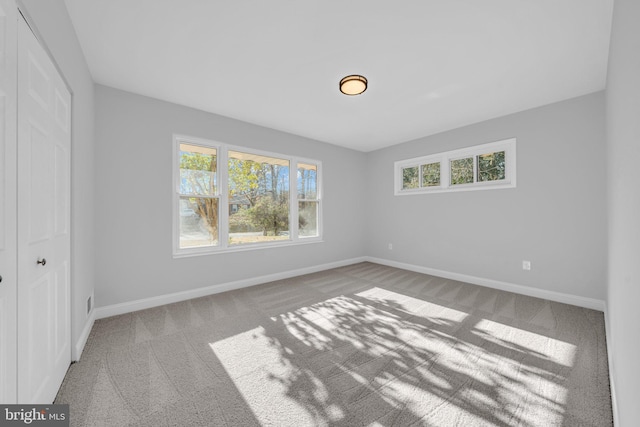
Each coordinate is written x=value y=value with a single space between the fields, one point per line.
x=353 y=85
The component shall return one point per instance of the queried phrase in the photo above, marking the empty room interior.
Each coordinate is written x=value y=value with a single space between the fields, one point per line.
x=286 y=213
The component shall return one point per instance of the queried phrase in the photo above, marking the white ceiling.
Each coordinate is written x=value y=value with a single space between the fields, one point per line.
x=432 y=65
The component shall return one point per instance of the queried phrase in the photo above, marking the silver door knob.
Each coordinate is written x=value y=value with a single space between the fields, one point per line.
x=42 y=261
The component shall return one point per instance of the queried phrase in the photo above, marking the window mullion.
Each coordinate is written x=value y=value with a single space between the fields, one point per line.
x=319 y=196
x=176 y=195
x=475 y=168
x=293 y=199
x=445 y=172
x=223 y=197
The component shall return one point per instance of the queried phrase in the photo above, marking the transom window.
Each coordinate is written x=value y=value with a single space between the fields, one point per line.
x=231 y=198
x=483 y=167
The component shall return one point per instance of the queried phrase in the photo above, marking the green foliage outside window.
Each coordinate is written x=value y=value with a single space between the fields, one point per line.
x=431 y=175
x=462 y=171
x=491 y=167
x=269 y=215
x=410 y=178
x=263 y=188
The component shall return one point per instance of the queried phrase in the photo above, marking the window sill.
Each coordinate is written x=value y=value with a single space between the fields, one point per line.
x=212 y=250
x=456 y=188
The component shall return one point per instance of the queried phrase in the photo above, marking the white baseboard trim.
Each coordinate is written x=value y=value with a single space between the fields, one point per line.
x=84 y=336
x=141 y=304
x=591 y=303
x=612 y=385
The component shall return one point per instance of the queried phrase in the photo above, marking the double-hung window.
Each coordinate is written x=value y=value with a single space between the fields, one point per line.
x=198 y=205
x=308 y=200
x=231 y=198
x=483 y=167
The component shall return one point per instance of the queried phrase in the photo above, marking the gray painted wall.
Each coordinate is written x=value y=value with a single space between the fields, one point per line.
x=134 y=200
x=623 y=137
x=555 y=218
x=56 y=32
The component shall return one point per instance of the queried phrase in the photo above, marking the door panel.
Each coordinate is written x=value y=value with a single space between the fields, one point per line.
x=38 y=85
x=61 y=185
x=38 y=180
x=8 y=271
x=37 y=337
x=44 y=350
x=62 y=111
x=61 y=312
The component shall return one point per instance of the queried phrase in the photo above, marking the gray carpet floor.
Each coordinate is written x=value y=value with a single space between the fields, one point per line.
x=353 y=346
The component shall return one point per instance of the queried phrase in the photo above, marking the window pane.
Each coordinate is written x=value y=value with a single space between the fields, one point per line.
x=198 y=222
x=307 y=219
x=410 y=178
x=307 y=181
x=198 y=170
x=259 y=186
x=462 y=171
x=431 y=175
x=491 y=166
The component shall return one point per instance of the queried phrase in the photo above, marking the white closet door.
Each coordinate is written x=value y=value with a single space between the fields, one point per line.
x=44 y=106
x=8 y=289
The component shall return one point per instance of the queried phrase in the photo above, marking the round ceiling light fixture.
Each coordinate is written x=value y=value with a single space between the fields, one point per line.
x=353 y=85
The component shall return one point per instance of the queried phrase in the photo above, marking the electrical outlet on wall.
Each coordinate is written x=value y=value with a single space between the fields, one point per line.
x=526 y=265
x=390 y=246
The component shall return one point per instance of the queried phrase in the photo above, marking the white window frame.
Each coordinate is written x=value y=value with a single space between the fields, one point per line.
x=223 y=199
x=445 y=158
